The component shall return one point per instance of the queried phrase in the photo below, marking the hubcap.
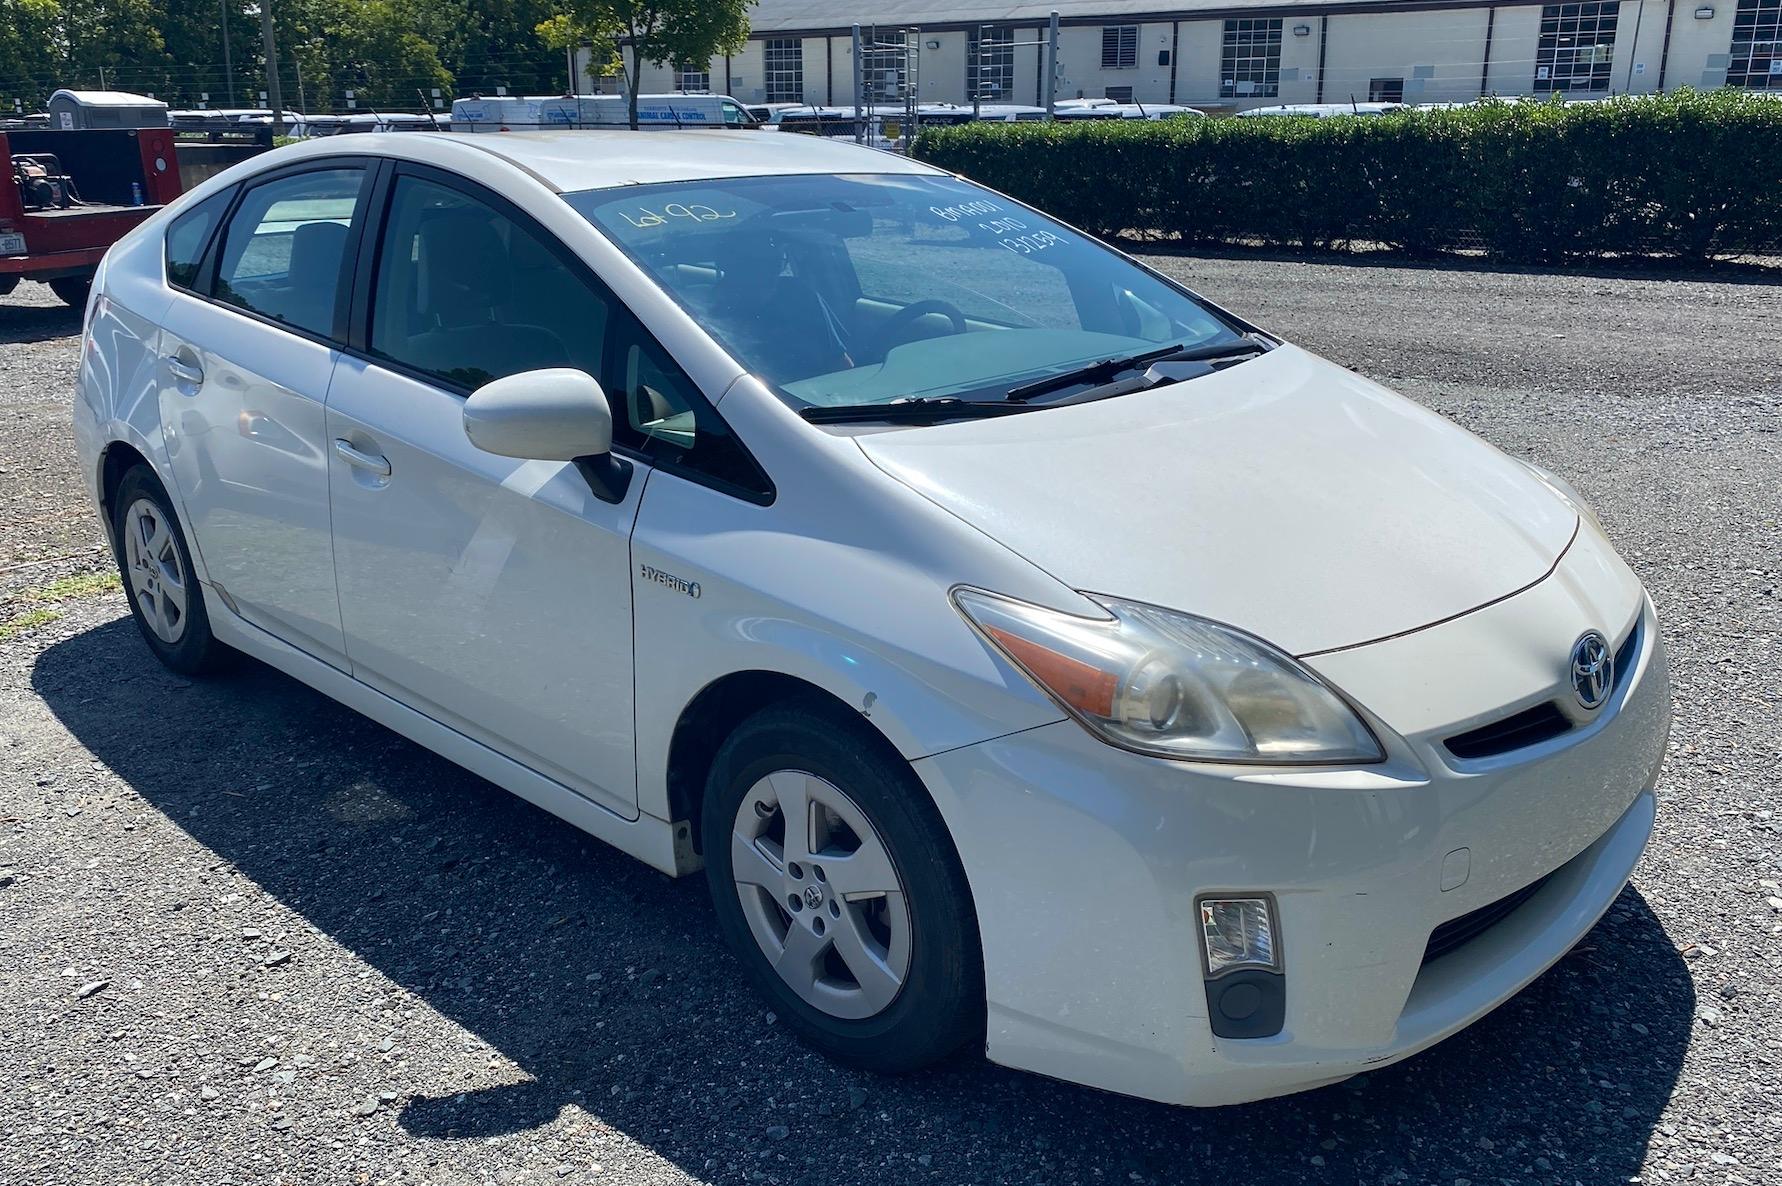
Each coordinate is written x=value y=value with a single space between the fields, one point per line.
x=821 y=895
x=157 y=582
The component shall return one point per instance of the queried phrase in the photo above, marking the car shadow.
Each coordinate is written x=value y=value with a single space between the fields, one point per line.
x=604 y=982
x=21 y=323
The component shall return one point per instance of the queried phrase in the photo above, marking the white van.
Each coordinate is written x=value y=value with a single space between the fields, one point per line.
x=1323 y=110
x=1075 y=109
x=531 y=113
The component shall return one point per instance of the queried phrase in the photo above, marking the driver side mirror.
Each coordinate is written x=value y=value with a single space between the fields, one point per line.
x=550 y=415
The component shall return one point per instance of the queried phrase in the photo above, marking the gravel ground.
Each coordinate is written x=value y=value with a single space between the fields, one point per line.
x=250 y=937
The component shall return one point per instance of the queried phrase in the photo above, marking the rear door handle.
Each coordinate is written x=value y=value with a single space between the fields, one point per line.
x=377 y=463
x=184 y=372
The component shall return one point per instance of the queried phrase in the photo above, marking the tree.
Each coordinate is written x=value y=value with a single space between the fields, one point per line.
x=116 y=44
x=564 y=32
x=661 y=31
x=393 y=64
x=31 y=50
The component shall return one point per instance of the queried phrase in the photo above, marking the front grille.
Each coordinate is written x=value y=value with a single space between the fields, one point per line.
x=1458 y=932
x=1531 y=725
x=1543 y=722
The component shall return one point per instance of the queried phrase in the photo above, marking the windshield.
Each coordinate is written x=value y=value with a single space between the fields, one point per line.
x=847 y=290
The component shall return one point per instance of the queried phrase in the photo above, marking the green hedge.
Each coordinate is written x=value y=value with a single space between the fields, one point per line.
x=1689 y=174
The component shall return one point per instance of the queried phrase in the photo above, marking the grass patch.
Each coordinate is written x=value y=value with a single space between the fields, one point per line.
x=86 y=584
x=29 y=620
x=43 y=600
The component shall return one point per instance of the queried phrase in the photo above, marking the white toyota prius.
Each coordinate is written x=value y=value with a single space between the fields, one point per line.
x=1031 y=653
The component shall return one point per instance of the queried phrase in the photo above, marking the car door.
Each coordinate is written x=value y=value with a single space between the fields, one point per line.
x=247 y=350
x=492 y=594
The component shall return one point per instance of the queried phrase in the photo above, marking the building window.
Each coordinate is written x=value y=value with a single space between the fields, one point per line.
x=882 y=69
x=1119 y=47
x=1577 y=43
x=992 y=55
x=785 y=70
x=1250 y=60
x=691 y=80
x=1756 y=59
x=1386 y=90
x=1119 y=94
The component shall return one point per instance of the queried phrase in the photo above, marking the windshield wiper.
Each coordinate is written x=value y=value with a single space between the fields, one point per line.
x=917 y=410
x=1107 y=368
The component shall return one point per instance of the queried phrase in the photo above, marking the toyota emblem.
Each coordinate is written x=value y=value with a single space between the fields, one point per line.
x=1593 y=670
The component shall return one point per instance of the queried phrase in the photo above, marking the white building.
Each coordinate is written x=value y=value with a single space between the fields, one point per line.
x=1235 y=54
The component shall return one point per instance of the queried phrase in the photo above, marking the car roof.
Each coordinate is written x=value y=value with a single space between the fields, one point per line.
x=576 y=160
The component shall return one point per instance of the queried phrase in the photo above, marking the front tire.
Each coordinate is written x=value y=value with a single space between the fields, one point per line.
x=838 y=887
x=155 y=567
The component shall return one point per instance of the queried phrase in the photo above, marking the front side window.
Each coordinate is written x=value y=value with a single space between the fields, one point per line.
x=785 y=70
x=1250 y=59
x=464 y=294
x=1119 y=47
x=285 y=247
x=842 y=290
x=1577 y=47
x=188 y=236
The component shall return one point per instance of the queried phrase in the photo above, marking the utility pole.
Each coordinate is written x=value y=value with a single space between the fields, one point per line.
x=272 y=95
x=228 y=69
x=569 y=51
x=1052 y=66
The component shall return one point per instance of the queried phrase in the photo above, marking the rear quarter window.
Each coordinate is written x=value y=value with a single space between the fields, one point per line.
x=188 y=236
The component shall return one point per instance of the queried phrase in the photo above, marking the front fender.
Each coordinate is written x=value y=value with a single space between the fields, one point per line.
x=843 y=582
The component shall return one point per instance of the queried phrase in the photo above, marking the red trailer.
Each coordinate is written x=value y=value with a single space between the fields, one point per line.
x=69 y=195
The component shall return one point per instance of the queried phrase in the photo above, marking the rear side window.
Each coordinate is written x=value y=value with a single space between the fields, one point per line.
x=188 y=236
x=284 y=248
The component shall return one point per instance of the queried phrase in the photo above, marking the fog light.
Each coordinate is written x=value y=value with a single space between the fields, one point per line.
x=1237 y=933
x=1240 y=947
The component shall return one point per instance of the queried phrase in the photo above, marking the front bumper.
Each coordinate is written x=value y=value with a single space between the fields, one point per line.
x=1085 y=862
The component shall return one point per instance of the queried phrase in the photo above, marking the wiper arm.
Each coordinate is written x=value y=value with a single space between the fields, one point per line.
x=918 y=410
x=1107 y=368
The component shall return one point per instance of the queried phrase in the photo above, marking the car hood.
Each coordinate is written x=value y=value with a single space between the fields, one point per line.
x=1283 y=495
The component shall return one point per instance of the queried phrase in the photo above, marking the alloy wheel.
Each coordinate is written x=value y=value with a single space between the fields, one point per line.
x=821 y=894
x=157 y=579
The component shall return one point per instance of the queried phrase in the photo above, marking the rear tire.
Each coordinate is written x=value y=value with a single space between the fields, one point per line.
x=72 y=290
x=870 y=915
x=156 y=569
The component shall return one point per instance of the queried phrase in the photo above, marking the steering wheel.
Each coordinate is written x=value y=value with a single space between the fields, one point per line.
x=900 y=321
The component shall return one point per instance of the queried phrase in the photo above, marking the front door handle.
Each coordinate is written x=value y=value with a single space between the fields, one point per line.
x=377 y=463
x=185 y=372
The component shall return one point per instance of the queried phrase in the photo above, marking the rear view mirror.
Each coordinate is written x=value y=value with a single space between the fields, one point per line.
x=549 y=415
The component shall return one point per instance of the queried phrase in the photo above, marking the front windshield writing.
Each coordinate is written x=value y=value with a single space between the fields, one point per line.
x=840 y=290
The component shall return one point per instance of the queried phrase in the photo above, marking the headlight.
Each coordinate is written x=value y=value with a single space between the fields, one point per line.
x=1171 y=684
x=1568 y=494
